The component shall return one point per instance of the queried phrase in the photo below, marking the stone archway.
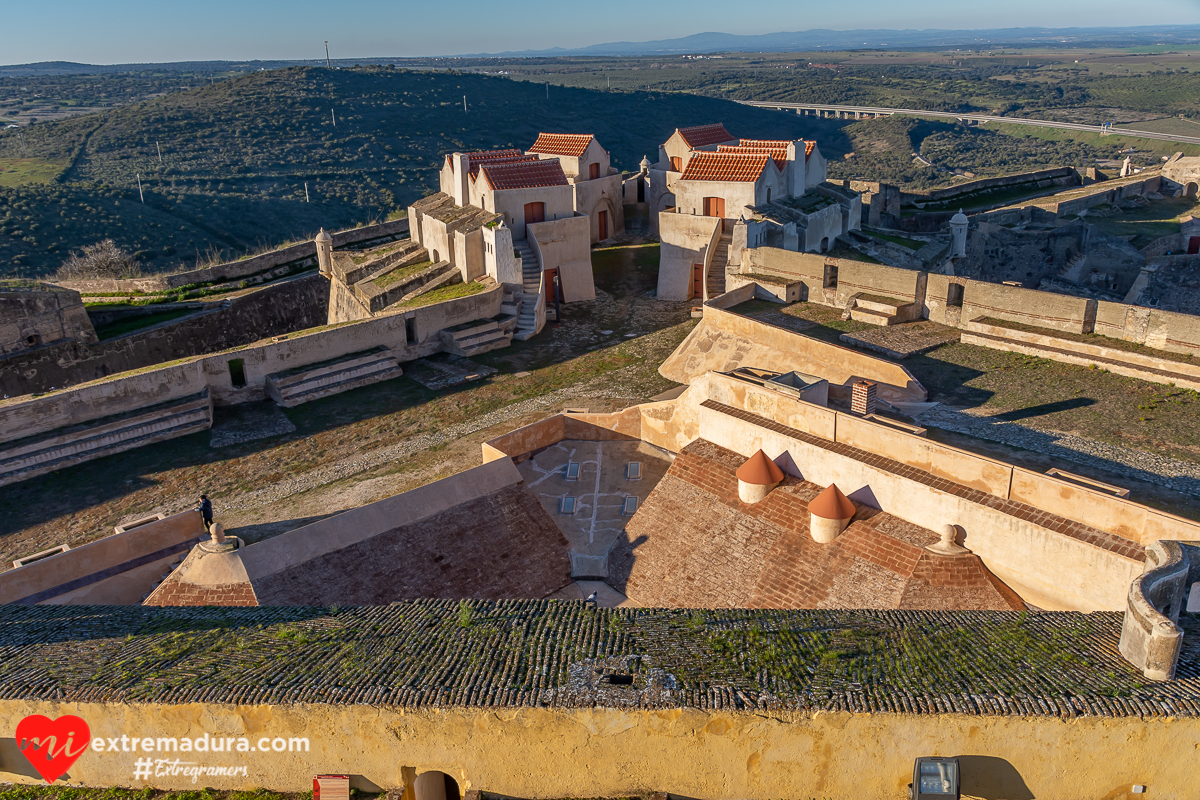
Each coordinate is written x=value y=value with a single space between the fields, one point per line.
x=825 y=245
x=1189 y=190
x=435 y=785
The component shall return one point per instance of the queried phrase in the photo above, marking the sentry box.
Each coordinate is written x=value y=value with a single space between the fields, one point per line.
x=935 y=779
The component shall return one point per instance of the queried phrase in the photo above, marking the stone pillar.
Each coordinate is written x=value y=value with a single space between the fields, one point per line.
x=324 y=243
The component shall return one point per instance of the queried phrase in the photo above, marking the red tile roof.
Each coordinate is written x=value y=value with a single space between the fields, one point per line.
x=742 y=167
x=705 y=135
x=473 y=171
x=524 y=174
x=562 y=144
x=808 y=148
x=481 y=156
x=770 y=144
x=779 y=154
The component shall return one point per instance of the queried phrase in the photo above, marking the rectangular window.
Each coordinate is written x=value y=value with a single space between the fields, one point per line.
x=237 y=372
x=954 y=296
x=633 y=471
x=572 y=471
x=567 y=506
x=630 y=506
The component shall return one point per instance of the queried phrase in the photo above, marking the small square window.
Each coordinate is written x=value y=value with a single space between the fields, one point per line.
x=567 y=506
x=572 y=471
x=633 y=471
x=630 y=507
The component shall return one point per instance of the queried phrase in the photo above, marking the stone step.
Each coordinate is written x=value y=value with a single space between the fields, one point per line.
x=482 y=344
x=26 y=459
x=325 y=381
x=873 y=317
x=361 y=272
x=878 y=306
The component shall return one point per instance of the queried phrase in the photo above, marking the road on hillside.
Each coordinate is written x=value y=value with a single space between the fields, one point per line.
x=869 y=111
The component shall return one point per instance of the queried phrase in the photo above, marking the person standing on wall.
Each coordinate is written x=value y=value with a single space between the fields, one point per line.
x=205 y=510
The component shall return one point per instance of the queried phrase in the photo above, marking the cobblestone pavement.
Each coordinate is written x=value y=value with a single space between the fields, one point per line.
x=1171 y=473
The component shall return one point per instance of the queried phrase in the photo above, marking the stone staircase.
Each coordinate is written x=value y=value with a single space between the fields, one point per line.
x=876 y=310
x=376 y=294
x=718 y=265
x=531 y=277
x=25 y=458
x=314 y=381
x=174 y=565
x=1070 y=271
x=354 y=267
x=473 y=338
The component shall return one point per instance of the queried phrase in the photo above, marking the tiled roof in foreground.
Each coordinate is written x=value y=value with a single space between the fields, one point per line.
x=737 y=167
x=524 y=175
x=558 y=653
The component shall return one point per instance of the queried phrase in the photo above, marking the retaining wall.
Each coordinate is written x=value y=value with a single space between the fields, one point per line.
x=1058 y=176
x=270 y=311
x=236 y=269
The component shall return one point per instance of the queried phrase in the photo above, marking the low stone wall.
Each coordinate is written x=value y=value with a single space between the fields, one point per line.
x=809 y=269
x=271 y=311
x=1099 y=194
x=1071 y=351
x=1028 y=306
x=859 y=277
x=31 y=415
x=116 y=570
x=1057 y=176
x=236 y=269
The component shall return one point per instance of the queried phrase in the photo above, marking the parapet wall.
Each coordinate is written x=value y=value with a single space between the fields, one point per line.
x=1150 y=637
x=116 y=570
x=1058 y=176
x=236 y=269
x=715 y=754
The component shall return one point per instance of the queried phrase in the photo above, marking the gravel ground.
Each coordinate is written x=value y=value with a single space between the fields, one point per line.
x=1180 y=476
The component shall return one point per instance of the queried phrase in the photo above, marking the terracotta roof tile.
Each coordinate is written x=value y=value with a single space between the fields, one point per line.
x=521 y=159
x=759 y=470
x=524 y=174
x=481 y=156
x=777 y=153
x=562 y=144
x=705 y=135
x=743 y=167
x=832 y=504
x=808 y=148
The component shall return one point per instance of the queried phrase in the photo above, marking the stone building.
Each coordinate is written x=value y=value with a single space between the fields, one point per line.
x=712 y=195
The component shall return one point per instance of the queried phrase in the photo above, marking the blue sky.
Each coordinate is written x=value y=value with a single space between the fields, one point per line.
x=123 y=31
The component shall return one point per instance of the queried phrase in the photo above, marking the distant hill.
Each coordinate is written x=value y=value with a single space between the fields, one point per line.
x=820 y=39
x=236 y=155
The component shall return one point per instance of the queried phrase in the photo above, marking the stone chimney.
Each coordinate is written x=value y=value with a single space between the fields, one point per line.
x=958 y=235
x=324 y=243
x=757 y=477
x=462 y=173
x=829 y=514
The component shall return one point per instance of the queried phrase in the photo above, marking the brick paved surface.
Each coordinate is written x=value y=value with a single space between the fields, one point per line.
x=695 y=544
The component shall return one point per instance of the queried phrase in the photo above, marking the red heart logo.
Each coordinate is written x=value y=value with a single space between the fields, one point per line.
x=52 y=745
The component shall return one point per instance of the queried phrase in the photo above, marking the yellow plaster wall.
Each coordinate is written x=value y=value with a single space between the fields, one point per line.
x=717 y=755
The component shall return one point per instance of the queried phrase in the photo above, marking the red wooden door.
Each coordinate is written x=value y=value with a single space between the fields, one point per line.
x=550 y=274
x=677 y=163
x=697 y=280
x=593 y=171
x=603 y=225
x=535 y=212
x=714 y=206
x=1193 y=245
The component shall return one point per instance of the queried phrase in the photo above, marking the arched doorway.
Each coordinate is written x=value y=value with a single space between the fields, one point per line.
x=825 y=245
x=434 y=785
x=1190 y=189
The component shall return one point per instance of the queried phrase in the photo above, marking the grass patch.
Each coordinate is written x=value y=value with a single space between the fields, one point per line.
x=911 y=244
x=402 y=274
x=129 y=324
x=444 y=293
x=21 y=171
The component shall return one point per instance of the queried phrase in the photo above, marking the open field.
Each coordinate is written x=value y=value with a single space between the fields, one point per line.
x=20 y=171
